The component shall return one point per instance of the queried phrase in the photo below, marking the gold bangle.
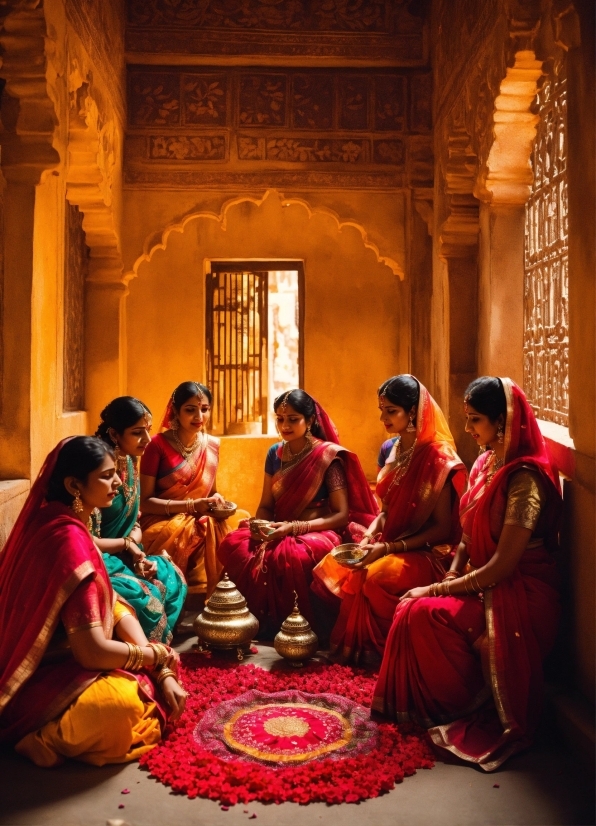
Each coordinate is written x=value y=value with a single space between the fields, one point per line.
x=167 y=507
x=403 y=542
x=135 y=658
x=161 y=652
x=474 y=579
x=451 y=575
x=164 y=672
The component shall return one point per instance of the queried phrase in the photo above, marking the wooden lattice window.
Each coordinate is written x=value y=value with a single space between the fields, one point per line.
x=253 y=342
x=76 y=268
x=546 y=305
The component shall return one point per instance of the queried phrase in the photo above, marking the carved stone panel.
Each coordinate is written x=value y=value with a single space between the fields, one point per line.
x=312 y=101
x=274 y=119
x=75 y=274
x=354 y=102
x=385 y=30
x=263 y=100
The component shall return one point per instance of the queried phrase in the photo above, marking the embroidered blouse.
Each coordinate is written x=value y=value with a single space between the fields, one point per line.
x=335 y=477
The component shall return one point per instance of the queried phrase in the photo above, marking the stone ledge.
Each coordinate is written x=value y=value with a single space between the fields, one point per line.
x=561 y=446
x=10 y=488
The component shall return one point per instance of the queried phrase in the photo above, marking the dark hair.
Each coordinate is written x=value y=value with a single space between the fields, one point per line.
x=120 y=413
x=187 y=390
x=302 y=403
x=403 y=391
x=487 y=396
x=79 y=457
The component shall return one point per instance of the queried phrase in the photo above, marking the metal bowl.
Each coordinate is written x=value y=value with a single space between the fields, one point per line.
x=262 y=525
x=229 y=509
x=348 y=554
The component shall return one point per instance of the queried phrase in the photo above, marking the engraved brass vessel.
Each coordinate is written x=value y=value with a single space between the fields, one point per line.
x=226 y=622
x=296 y=641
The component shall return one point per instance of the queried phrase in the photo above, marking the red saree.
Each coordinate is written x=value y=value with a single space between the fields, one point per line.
x=471 y=669
x=47 y=560
x=267 y=574
x=369 y=596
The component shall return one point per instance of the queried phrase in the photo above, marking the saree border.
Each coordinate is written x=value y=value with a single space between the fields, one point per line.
x=328 y=454
x=32 y=659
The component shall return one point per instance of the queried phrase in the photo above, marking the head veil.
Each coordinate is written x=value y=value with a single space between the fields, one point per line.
x=47 y=555
x=431 y=424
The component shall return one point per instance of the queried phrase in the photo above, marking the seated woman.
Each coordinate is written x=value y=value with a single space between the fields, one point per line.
x=77 y=675
x=464 y=656
x=420 y=480
x=312 y=488
x=152 y=585
x=178 y=490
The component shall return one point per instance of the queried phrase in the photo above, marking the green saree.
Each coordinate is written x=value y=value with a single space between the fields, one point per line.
x=157 y=602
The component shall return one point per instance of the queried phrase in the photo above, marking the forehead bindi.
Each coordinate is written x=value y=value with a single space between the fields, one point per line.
x=287 y=410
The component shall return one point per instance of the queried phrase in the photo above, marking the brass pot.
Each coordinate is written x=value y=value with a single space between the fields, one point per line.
x=226 y=622
x=296 y=641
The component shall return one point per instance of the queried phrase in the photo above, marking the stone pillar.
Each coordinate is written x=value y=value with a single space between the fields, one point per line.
x=501 y=291
x=420 y=272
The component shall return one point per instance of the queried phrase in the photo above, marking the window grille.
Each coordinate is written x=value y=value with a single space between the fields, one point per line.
x=546 y=307
x=237 y=350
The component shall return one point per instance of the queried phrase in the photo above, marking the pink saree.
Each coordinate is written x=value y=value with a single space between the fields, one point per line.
x=47 y=559
x=267 y=574
x=370 y=596
x=470 y=669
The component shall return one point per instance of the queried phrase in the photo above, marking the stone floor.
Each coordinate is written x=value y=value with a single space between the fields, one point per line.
x=544 y=786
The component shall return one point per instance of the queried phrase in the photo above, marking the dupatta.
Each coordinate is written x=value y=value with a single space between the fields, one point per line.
x=120 y=518
x=514 y=654
x=410 y=503
x=47 y=556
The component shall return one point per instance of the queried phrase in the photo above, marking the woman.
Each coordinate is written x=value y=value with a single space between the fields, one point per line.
x=152 y=585
x=420 y=481
x=178 y=491
x=464 y=656
x=312 y=488
x=74 y=661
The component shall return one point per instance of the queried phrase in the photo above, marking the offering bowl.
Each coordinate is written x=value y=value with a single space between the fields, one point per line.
x=348 y=554
x=228 y=509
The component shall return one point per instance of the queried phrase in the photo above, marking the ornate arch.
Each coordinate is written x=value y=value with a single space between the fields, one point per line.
x=159 y=241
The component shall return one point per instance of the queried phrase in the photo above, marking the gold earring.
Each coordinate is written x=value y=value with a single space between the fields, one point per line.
x=77 y=504
x=500 y=434
x=411 y=426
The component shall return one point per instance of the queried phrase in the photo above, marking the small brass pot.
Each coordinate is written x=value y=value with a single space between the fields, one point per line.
x=296 y=641
x=226 y=622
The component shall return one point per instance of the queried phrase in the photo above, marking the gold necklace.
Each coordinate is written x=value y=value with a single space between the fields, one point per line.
x=287 y=456
x=403 y=461
x=184 y=451
x=495 y=465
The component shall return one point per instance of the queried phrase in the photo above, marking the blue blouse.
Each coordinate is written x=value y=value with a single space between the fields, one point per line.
x=386 y=449
x=334 y=477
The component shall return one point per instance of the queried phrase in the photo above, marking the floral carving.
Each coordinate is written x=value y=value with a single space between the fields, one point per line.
x=390 y=103
x=251 y=149
x=282 y=15
x=353 y=102
x=204 y=99
x=391 y=152
x=263 y=100
x=315 y=150
x=187 y=147
x=312 y=101
x=154 y=98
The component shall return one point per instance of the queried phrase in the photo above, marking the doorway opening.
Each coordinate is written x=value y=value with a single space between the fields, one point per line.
x=254 y=342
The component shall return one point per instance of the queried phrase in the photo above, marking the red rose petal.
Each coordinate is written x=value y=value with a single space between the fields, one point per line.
x=225 y=808
x=125 y=791
x=496 y=786
x=121 y=805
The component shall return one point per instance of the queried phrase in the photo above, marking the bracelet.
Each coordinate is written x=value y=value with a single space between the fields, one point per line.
x=190 y=506
x=300 y=528
x=403 y=542
x=474 y=581
x=164 y=672
x=135 y=658
x=387 y=548
x=161 y=651
x=367 y=536
x=451 y=575
x=168 y=503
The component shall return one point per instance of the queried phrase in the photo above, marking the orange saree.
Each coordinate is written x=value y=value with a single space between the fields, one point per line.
x=191 y=540
x=370 y=596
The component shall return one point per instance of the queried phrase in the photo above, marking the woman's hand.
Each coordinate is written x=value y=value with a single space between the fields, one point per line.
x=145 y=568
x=416 y=593
x=136 y=535
x=135 y=552
x=203 y=506
x=281 y=529
x=375 y=550
x=175 y=696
